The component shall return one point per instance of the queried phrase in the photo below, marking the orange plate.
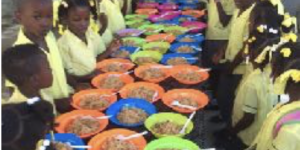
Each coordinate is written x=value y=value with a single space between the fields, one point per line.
x=127 y=64
x=124 y=77
x=125 y=90
x=196 y=95
x=97 y=141
x=110 y=97
x=188 y=68
x=65 y=119
x=143 y=68
x=146 y=11
x=194 y=13
x=161 y=37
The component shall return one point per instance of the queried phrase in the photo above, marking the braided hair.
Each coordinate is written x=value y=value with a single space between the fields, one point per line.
x=23 y=124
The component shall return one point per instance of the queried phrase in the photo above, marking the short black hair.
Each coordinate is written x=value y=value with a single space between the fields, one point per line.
x=21 y=62
x=24 y=125
x=63 y=10
x=20 y=3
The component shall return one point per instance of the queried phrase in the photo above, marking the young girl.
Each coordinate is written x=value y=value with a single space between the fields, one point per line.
x=35 y=16
x=26 y=123
x=281 y=128
x=115 y=17
x=80 y=46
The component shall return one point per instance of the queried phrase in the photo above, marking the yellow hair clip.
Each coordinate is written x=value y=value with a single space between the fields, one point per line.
x=286 y=52
x=281 y=81
x=290 y=37
x=65 y=4
x=61 y=29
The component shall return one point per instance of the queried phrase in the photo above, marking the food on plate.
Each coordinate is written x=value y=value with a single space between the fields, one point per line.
x=144 y=60
x=131 y=115
x=166 y=128
x=175 y=32
x=121 y=54
x=177 y=61
x=187 y=39
x=129 y=43
x=185 y=49
x=143 y=93
x=114 y=67
x=159 y=49
x=113 y=143
x=168 y=149
x=112 y=82
x=191 y=76
x=152 y=73
x=93 y=101
x=83 y=125
x=61 y=146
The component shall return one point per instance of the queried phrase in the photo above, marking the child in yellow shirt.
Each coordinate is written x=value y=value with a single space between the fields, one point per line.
x=274 y=133
x=35 y=16
x=80 y=46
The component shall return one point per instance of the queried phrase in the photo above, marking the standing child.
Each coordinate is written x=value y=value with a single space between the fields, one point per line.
x=281 y=129
x=115 y=17
x=80 y=46
x=35 y=16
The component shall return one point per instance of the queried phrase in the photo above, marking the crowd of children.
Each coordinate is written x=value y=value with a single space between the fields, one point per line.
x=251 y=46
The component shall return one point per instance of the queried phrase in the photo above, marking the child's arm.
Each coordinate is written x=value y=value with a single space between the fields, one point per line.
x=125 y=6
x=113 y=47
x=239 y=58
x=63 y=105
x=104 y=22
x=219 y=54
x=244 y=123
x=224 y=18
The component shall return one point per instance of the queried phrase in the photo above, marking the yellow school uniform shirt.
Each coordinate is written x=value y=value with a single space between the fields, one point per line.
x=107 y=36
x=288 y=138
x=129 y=5
x=115 y=17
x=215 y=29
x=60 y=88
x=264 y=139
x=79 y=58
x=239 y=32
x=255 y=97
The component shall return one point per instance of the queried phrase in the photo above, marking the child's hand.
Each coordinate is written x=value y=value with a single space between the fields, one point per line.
x=83 y=86
x=63 y=105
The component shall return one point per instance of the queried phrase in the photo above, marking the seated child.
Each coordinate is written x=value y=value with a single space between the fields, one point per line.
x=80 y=46
x=24 y=124
x=35 y=17
x=26 y=66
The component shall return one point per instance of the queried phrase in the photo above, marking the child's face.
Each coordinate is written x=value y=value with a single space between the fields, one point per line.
x=78 y=20
x=44 y=78
x=241 y=4
x=36 y=17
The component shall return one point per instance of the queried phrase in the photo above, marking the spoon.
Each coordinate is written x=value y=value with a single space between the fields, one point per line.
x=177 y=103
x=122 y=137
x=79 y=146
x=187 y=123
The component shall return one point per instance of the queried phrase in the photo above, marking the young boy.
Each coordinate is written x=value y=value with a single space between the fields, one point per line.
x=35 y=16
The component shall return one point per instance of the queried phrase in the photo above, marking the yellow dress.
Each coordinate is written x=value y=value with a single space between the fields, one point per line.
x=257 y=98
x=215 y=29
x=116 y=19
x=239 y=32
x=60 y=88
x=79 y=58
x=264 y=139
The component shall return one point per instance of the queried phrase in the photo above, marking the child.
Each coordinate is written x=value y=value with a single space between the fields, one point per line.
x=281 y=128
x=115 y=17
x=229 y=81
x=80 y=46
x=35 y=16
x=26 y=66
x=24 y=124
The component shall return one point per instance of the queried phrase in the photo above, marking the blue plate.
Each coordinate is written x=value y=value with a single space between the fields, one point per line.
x=195 y=46
x=169 y=1
x=198 y=38
x=115 y=108
x=188 y=18
x=168 y=22
x=67 y=138
x=188 y=1
x=190 y=6
x=174 y=55
x=130 y=49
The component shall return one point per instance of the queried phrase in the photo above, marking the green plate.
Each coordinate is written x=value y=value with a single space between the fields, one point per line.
x=172 y=142
x=138 y=42
x=181 y=30
x=156 y=28
x=157 y=56
x=163 y=46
